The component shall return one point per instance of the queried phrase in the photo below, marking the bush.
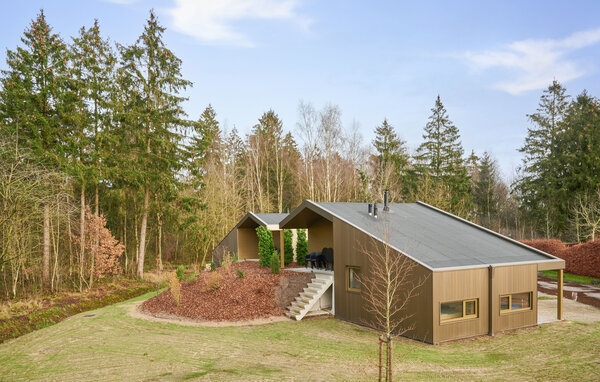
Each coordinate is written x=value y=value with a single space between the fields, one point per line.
x=175 y=286
x=275 y=263
x=265 y=246
x=240 y=274
x=301 y=247
x=180 y=272
x=213 y=266
x=213 y=281
x=288 y=247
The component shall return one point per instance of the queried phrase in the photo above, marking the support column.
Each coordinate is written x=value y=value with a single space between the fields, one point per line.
x=559 y=295
x=281 y=246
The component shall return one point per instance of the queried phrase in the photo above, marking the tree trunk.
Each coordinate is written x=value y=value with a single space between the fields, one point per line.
x=159 y=263
x=46 y=248
x=390 y=359
x=142 y=249
x=82 y=237
x=380 y=359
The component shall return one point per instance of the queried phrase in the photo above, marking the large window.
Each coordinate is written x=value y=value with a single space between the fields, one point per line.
x=515 y=302
x=459 y=310
x=353 y=276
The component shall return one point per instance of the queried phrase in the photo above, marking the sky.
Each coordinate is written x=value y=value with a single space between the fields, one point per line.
x=488 y=60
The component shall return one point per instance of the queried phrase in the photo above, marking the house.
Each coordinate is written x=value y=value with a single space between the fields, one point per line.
x=476 y=281
x=243 y=241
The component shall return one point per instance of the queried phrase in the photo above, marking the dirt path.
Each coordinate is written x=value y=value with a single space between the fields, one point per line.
x=136 y=312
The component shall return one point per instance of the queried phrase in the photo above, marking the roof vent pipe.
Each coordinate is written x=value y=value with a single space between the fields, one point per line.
x=386 y=199
x=375 y=210
x=370 y=208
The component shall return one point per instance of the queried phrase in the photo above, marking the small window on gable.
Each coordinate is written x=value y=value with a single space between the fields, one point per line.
x=353 y=275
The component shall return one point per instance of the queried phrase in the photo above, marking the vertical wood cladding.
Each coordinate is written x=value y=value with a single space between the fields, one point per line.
x=320 y=235
x=349 y=250
x=247 y=243
x=509 y=280
x=228 y=245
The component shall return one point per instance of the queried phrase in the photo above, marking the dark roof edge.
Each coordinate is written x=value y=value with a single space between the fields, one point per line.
x=552 y=257
x=307 y=203
x=255 y=217
x=365 y=232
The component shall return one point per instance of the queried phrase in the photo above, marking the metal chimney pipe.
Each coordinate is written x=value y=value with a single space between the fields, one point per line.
x=375 y=210
x=386 y=199
x=370 y=208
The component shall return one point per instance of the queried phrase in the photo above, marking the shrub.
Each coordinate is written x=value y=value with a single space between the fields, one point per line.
x=301 y=247
x=241 y=274
x=265 y=246
x=227 y=260
x=213 y=266
x=275 y=263
x=175 y=287
x=180 y=272
x=234 y=257
x=213 y=281
x=288 y=247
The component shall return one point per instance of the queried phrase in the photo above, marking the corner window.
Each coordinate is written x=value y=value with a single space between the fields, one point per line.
x=459 y=310
x=515 y=302
x=353 y=275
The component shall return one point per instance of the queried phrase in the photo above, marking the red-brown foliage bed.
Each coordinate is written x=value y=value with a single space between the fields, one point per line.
x=580 y=259
x=250 y=297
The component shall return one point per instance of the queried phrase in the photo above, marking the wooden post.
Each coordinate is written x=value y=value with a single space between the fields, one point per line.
x=380 y=359
x=281 y=246
x=559 y=295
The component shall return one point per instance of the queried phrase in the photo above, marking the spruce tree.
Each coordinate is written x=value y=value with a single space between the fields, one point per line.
x=485 y=195
x=542 y=158
x=391 y=160
x=440 y=156
x=34 y=103
x=151 y=75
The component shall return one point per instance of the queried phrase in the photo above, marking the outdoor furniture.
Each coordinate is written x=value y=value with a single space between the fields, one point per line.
x=328 y=257
x=312 y=259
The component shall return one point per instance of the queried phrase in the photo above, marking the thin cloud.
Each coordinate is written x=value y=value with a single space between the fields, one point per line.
x=214 y=21
x=535 y=63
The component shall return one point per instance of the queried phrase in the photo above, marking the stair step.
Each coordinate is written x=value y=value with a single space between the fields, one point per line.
x=302 y=299
x=312 y=290
x=300 y=305
x=322 y=276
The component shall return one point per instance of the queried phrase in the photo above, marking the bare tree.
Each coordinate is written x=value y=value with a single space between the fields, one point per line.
x=388 y=285
x=587 y=216
x=330 y=138
x=307 y=131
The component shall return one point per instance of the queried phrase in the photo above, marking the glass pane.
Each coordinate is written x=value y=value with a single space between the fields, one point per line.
x=521 y=301
x=353 y=282
x=504 y=303
x=470 y=308
x=451 y=310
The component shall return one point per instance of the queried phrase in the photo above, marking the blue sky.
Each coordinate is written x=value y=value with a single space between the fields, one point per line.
x=488 y=60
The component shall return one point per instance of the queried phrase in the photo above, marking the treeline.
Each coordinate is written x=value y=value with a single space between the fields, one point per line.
x=86 y=125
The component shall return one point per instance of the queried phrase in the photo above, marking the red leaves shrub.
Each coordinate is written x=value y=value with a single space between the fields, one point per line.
x=580 y=259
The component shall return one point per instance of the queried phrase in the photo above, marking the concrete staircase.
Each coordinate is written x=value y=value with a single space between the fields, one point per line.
x=311 y=295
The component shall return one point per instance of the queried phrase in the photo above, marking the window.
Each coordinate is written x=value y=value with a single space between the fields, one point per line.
x=353 y=274
x=515 y=302
x=459 y=310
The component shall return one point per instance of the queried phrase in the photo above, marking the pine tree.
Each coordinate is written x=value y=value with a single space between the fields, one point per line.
x=34 y=101
x=541 y=159
x=391 y=160
x=151 y=75
x=440 y=156
x=204 y=142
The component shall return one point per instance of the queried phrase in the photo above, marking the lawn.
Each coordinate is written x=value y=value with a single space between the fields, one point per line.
x=109 y=344
x=568 y=277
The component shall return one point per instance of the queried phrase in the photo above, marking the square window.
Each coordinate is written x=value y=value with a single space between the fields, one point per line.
x=353 y=278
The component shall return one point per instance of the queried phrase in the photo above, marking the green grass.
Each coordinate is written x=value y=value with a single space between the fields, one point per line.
x=109 y=344
x=570 y=277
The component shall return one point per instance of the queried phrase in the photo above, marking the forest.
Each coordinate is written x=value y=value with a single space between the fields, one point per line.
x=103 y=172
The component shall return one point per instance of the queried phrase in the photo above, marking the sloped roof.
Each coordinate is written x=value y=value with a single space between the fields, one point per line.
x=252 y=220
x=272 y=219
x=432 y=237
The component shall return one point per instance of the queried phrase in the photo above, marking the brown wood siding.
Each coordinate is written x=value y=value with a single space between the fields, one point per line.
x=348 y=246
x=460 y=285
x=227 y=245
x=513 y=279
x=320 y=235
x=247 y=243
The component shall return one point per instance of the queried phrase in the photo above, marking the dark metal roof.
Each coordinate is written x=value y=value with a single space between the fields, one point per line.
x=433 y=237
x=271 y=219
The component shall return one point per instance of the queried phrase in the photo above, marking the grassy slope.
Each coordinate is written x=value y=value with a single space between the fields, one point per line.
x=568 y=277
x=114 y=346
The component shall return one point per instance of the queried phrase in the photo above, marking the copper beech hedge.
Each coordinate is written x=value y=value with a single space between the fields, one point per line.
x=580 y=259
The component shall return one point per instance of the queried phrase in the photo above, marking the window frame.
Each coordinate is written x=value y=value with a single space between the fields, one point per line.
x=348 y=288
x=510 y=309
x=464 y=310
